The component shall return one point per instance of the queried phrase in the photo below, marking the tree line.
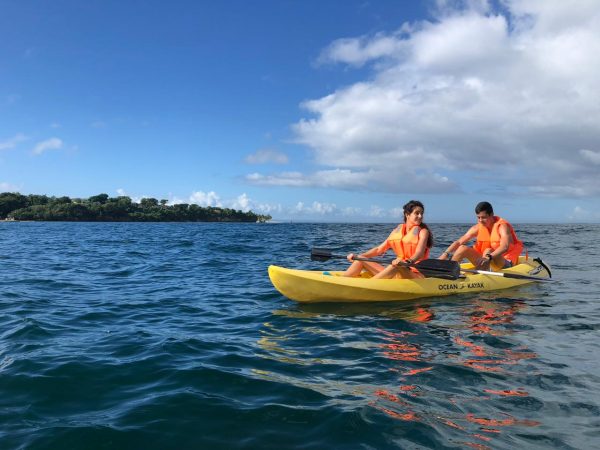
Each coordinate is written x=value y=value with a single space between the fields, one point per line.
x=102 y=208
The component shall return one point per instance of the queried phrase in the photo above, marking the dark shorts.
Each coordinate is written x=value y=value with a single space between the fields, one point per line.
x=507 y=264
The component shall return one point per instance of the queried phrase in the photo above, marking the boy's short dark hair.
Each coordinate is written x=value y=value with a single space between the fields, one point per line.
x=485 y=207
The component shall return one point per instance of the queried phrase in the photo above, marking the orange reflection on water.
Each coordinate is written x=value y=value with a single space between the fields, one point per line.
x=399 y=334
x=519 y=355
x=382 y=393
x=396 y=415
x=416 y=371
x=451 y=424
x=403 y=352
x=386 y=395
x=488 y=365
x=423 y=315
x=508 y=393
x=408 y=387
x=491 y=319
x=482 y=437
x=476 y=353
x=483 y=318
x=501 y=422
x=476 y=446
x=477 y=350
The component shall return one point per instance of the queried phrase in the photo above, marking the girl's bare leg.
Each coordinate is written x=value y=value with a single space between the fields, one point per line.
x=357 y=267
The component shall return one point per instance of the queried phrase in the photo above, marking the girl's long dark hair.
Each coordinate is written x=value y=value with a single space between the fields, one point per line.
x=408 y=208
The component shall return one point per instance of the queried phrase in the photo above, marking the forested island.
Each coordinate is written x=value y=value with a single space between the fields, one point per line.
x=102 y=208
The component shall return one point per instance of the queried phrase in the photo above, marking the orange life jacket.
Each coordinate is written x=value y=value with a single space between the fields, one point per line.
x=404 y=242
x=486 y=240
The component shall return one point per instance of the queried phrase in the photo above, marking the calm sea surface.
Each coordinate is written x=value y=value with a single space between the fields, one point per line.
x=156 y=336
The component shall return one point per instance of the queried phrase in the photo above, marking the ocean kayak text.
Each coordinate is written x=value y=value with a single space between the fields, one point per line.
x=458 y=286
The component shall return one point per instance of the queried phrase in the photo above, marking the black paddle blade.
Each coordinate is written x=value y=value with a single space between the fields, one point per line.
x=320 y=254
x=438 y=268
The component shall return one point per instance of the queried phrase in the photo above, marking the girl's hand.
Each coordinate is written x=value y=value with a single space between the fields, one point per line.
x=483 y=263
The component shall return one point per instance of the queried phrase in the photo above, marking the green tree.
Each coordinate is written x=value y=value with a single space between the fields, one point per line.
x=148 y=202
x=61 y=200
x=37 y=200
x=100 y=198
x=10 y=201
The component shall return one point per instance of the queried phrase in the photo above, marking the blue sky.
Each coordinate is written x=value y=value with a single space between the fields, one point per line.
x=307 y=110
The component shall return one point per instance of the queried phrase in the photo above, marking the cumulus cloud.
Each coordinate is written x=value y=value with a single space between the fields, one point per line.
x=49 y=144
x=513 y=94
x=315 y=208
x=267 y=156
x=205 y=199
x=358 y=51
x=242 y=202
x=12 y=142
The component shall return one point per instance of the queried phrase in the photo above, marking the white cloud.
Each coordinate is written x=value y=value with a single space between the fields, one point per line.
x=12 y=142
x=242 y=202
x=580 y=214
x=376 y=211
x=351 y=211
x=134 y=198
x=205 y=199
x=316 y=208
x=380 y=179
x=8 y=187
x=359 y=51
x=49 y=144
x=514 y=95
x=591 y=156
x=266 y=156
x=267 y=208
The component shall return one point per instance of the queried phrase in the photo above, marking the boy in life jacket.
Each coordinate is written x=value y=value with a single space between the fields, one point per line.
x=496 y=243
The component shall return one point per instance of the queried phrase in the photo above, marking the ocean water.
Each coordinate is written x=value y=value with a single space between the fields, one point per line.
x=154 y=336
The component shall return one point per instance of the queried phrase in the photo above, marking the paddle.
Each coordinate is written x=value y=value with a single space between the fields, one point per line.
x=516 y=276
x=433 y=268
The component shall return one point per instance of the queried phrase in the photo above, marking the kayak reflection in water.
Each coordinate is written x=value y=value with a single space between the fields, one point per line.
x=497 y=244
x=410 y=241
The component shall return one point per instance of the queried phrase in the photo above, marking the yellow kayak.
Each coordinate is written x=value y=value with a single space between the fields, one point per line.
x=312 y=286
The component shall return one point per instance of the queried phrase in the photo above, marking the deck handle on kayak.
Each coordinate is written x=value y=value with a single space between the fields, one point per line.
x=431 y=268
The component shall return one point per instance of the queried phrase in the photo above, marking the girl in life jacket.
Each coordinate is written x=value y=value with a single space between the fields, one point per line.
x=496 y=246
x=410 y=241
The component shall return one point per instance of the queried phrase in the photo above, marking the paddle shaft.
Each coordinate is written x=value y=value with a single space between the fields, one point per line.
x=360 y=258
x=428 y=267
x=516 y=276
x=378 y=261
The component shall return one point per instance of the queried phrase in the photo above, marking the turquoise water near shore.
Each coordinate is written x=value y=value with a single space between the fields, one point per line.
x=148 y=335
